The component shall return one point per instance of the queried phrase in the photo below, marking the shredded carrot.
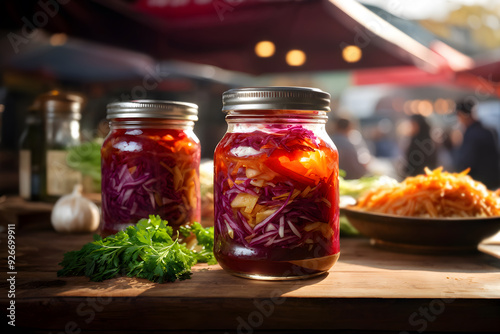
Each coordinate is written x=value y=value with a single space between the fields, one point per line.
x=433 y=194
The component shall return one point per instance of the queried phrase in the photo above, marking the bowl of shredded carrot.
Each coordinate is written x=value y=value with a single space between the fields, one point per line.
x=435 y=212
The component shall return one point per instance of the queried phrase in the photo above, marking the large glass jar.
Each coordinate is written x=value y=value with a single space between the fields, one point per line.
x=276 y=185
x=150 y=164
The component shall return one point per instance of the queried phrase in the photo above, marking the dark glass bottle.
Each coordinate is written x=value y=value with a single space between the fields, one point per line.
x=30 y=156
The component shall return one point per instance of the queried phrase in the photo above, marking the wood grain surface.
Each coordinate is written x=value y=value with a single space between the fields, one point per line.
x=367 y=290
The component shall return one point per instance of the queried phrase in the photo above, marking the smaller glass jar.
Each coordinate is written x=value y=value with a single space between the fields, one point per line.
x=276 y=185
x=61 y=127
x=150 y=164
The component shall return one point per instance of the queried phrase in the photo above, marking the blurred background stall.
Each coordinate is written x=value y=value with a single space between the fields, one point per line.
x=383 y=62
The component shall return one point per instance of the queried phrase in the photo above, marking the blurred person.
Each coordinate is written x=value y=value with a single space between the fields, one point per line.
x=479 y=148
x=382 y=138
x=349 y=158
x=445 y=148
x=422 y=149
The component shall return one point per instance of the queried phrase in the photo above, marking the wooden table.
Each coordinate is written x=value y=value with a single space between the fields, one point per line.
x=367 y=290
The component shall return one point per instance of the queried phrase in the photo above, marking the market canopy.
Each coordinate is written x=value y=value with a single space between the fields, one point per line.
x=480 y=76
x=325 y=35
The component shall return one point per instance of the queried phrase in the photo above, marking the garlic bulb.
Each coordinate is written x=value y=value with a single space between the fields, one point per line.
x=75 y=213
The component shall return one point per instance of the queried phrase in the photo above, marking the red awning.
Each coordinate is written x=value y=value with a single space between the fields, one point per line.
x=461 y=72
x=400 y=76
x=486 y=76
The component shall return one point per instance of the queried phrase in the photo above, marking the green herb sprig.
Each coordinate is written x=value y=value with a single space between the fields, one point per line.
x=146 y=250
x=86 y=158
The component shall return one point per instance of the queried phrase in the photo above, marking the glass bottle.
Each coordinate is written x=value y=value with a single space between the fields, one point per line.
x=30 y=156
x=61 y=113
x=150 y=164
x=276 y=185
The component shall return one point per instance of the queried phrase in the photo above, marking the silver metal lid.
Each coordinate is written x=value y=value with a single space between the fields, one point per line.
x=276 y=98
x=153 y=109
x=56 y=103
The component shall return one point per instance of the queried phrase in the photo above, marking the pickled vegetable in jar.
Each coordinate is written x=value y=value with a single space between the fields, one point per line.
x=276 y=185
x=150 y=164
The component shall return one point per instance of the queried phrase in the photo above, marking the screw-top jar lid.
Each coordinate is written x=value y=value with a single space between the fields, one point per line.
x=59 y=103
x=153 y=109
x=38 y=103
x=276 y=98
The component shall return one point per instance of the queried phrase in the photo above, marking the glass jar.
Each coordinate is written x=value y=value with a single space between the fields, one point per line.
x=276 y=185
x=61 y=127
x=150 y=164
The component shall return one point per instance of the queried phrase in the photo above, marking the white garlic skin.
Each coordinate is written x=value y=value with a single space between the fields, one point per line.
x=74 y=213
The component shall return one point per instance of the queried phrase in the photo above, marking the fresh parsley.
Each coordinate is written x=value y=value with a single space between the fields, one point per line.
x=146 y=250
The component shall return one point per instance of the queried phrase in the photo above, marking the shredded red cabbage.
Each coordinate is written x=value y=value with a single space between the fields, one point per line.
x=302 y=209
x=289 y=138
x=150 y=179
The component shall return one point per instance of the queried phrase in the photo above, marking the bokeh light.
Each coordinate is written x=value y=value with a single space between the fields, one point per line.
x=295 y=58
x=425 y=108
x=265 y=49
x=352 y=53
x=58 y=39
